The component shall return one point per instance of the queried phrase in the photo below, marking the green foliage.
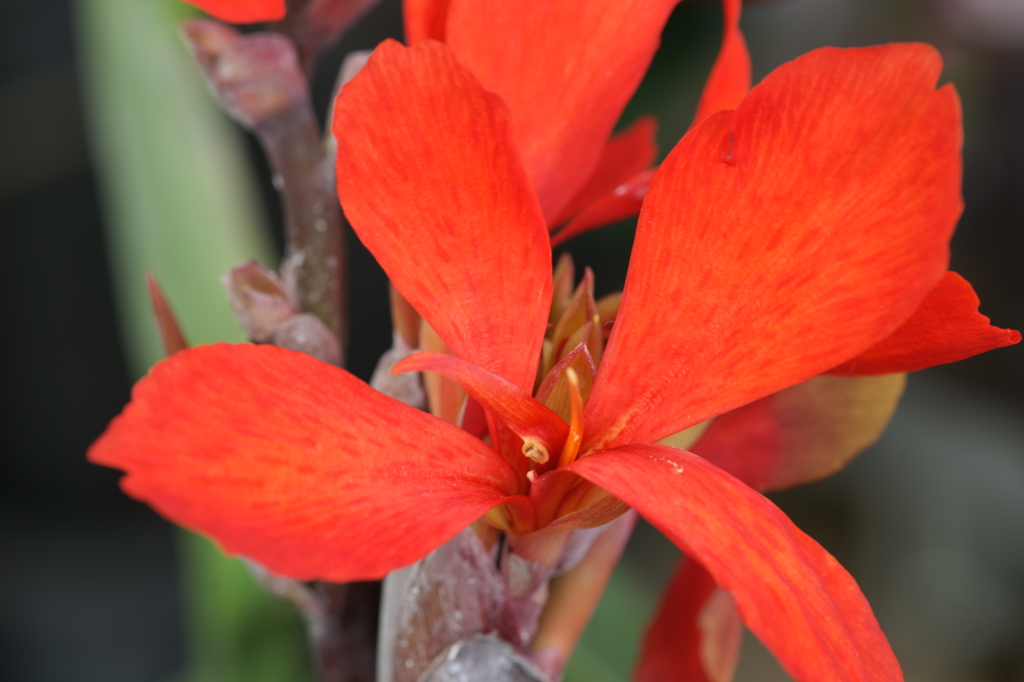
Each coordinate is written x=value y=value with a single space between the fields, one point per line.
x=180 y=201
x=237 y=632
x=178 y=194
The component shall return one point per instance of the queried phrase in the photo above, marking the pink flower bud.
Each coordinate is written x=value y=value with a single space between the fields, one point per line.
x=256 y=77
x=261 y=301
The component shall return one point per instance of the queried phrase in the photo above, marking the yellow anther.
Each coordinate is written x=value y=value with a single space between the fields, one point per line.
x=575 y=437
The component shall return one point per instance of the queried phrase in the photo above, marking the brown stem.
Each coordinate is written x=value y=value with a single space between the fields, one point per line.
x=293 y=26
x=345 y=645
x=258 y=80
x=315 y=254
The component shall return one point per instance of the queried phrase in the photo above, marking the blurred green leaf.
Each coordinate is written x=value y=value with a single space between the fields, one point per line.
x=180 y=200
x=608 y=649
x=237 y=632
x=178 y=195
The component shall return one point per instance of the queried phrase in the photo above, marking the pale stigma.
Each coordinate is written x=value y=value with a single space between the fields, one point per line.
x=535 y=451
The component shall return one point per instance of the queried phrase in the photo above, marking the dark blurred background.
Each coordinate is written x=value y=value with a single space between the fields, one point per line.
x=930 y=521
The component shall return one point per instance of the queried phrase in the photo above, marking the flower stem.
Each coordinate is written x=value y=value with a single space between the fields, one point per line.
x=315 y=251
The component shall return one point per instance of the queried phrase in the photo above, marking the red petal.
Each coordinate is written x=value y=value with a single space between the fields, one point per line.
x=527 y=417
x=296 y=464
x=695 y=635
x=432 y=184
x=625 y=154
x=242 y=11
x=803 y=433
x=791 y=593
x=946 y=328
x=566 y=69
x=424 y=19
x=621 y=203
x=782 y=239
x=729 y=81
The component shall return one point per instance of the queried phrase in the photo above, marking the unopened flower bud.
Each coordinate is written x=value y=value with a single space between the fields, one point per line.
x=307 y=334
x=261 y=301
x=256 y=77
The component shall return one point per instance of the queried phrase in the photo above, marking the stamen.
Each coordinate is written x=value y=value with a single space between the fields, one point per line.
x=535 y=451
x=575 y=437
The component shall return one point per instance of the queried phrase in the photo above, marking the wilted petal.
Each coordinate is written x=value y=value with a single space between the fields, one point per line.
x=297 y=464
x=406 y=388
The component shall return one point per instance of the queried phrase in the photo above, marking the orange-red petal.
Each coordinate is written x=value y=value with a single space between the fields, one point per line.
x=790 y=592
x=625 y=154
x=622 y=202
x=430 y=179
x=296 y=464
x=946 y=327
x=242 y=11
x=424 y=19
x=781 y=239
x=566 y=69
x=729 y=81
x=696 y=633
x=527 y=417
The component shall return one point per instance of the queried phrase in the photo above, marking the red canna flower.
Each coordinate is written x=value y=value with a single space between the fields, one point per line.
x=243 y=11
x=562 y=118
x=795 y=235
